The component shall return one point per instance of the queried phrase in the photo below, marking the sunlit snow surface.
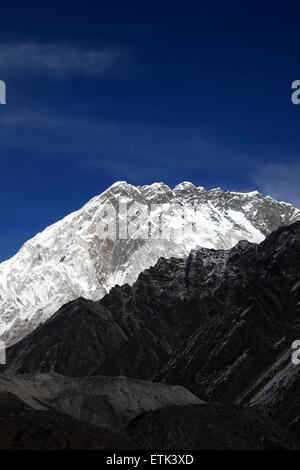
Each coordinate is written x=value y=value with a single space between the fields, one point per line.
x=68 y=259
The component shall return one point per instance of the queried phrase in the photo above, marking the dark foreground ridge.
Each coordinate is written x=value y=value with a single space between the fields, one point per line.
x=48 y=411
x=220 y=323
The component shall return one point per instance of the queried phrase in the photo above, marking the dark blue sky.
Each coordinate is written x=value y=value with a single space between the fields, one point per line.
x=143 y=92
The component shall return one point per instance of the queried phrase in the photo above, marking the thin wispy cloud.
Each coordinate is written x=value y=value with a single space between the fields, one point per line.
x=281 y=181
x=40 y=120
x=58 y=60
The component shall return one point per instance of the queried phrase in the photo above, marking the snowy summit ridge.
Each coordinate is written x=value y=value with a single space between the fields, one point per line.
x=68 y=259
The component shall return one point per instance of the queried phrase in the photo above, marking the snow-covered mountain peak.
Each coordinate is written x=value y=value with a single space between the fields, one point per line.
x=184 y=186
x=121 y=187
x=71 y=258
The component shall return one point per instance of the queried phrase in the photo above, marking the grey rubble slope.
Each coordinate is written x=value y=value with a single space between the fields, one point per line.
x=48 y=411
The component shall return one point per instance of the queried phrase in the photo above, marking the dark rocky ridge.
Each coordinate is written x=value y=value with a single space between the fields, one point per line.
x=220 y=323
x=210 y=427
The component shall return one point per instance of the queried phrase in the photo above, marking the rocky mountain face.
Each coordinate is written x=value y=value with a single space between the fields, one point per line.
x=220 y=323
x=175 y=333
x=243 y=352
x=93 y=249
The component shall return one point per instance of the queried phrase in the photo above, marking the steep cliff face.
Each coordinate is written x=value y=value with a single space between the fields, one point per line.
x=221 y=323
x=76 y=257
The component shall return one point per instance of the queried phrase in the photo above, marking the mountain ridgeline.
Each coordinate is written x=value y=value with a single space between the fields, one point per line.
x=143 y=343
x=70 y=259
